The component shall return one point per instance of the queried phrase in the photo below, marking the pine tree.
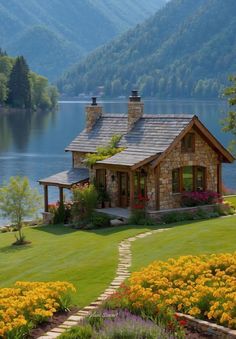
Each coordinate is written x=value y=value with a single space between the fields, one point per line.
x=19 y=85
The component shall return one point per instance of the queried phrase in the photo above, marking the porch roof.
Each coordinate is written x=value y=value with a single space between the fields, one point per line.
x=67 y=178
x=129 y=157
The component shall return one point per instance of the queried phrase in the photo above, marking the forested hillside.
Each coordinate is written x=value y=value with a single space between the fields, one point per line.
x=54 y=34
x=186 y=50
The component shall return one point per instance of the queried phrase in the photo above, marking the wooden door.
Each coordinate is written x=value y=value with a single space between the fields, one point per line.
x=124 y=189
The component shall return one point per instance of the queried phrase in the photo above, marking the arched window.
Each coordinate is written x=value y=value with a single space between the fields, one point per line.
x=188 y=179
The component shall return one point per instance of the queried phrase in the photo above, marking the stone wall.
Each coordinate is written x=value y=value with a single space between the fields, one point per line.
x=78 y=158
x=204 y=156
x=151 y=189
x=112 y=187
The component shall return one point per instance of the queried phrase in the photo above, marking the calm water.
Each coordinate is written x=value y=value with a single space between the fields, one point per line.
x=33 y=145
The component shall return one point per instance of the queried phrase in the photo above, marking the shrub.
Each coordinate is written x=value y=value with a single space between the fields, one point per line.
x=127 y=325
x=100 y=220
x=84 y=202
x=191 y=199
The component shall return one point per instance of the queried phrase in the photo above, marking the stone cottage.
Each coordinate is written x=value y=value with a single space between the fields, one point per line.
x=162 y=156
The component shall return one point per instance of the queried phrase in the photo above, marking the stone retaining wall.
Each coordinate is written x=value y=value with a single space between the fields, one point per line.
x=158 y=215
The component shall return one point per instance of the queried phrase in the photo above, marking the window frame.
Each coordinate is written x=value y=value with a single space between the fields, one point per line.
x=180 y=180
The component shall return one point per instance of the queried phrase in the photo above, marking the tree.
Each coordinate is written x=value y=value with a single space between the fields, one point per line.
x=19 y=85
x=3 y=88
x=230 y=120
x=18 y=201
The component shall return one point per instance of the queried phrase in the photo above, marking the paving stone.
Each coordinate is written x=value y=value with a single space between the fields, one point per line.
x=70 y=323
x=74 y=318
x=53 y=334
x=64 y=326
x=58 y=330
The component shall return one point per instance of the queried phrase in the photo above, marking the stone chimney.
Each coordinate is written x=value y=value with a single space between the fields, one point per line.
x=135 y=109
x=93 y=113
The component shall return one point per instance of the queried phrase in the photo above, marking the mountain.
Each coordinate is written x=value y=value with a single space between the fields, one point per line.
x=186 y=50
x=75 y=27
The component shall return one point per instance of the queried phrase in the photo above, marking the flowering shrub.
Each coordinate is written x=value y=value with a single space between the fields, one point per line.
x=29 y=303
x=203 y=286
x=117 y=324
x=61 y=212
x=190 y=199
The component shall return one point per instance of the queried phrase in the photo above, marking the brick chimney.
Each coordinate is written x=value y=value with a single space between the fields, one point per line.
x=93 y=113
x=135 y=109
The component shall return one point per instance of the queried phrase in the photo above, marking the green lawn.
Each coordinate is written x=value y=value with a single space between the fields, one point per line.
x=231 y=199
x=209 y=236
x=88 y=259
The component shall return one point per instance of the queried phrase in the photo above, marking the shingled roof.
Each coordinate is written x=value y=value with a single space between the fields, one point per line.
x=149 y=137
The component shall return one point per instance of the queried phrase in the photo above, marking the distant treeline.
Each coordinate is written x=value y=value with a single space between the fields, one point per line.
x=22 y=88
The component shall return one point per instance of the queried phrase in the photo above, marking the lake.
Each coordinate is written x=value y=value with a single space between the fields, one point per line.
x=32 y=144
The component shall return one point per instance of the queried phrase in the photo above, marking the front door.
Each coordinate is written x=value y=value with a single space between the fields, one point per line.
x=124 y=191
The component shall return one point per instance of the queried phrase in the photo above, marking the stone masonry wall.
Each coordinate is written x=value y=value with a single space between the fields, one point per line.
x=204 y=156
x=151 y=189
x=112 y=187
x=78 y=159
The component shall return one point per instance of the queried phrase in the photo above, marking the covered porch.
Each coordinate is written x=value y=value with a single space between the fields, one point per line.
x=63 y=180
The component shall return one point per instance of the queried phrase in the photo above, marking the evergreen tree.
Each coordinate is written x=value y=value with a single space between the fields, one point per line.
x=19 y=85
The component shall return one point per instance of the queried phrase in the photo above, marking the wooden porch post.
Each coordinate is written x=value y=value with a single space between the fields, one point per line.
x=45 y=198
x=61 y=198
x=131 y=177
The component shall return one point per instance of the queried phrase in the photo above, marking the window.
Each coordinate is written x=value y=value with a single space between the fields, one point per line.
x=101 y=178
x=188 y=143
x=200 y=178
x=188 y=179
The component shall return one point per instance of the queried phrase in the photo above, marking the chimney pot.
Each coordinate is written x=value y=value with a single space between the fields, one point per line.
x=94 y=101
x=134 y=96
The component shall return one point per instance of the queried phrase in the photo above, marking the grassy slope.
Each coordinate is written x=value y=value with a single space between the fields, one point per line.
x=216 y=235
x=87 y=259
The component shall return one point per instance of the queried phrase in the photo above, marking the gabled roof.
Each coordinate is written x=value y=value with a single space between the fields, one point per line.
x=100 y=135
x=151 y=137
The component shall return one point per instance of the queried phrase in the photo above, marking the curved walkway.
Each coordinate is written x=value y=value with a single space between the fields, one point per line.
x=122 y=273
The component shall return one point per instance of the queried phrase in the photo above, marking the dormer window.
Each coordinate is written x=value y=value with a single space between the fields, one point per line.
x=188 y=143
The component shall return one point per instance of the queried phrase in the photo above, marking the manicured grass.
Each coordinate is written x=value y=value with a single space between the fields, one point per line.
x=231 y=199
x=210 y=236
x=88 y=259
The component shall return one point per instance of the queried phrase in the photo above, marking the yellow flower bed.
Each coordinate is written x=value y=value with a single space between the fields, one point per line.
x=29 y=303
x=202 y=286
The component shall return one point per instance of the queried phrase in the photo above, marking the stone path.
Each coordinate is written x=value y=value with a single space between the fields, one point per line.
x=122 y=273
